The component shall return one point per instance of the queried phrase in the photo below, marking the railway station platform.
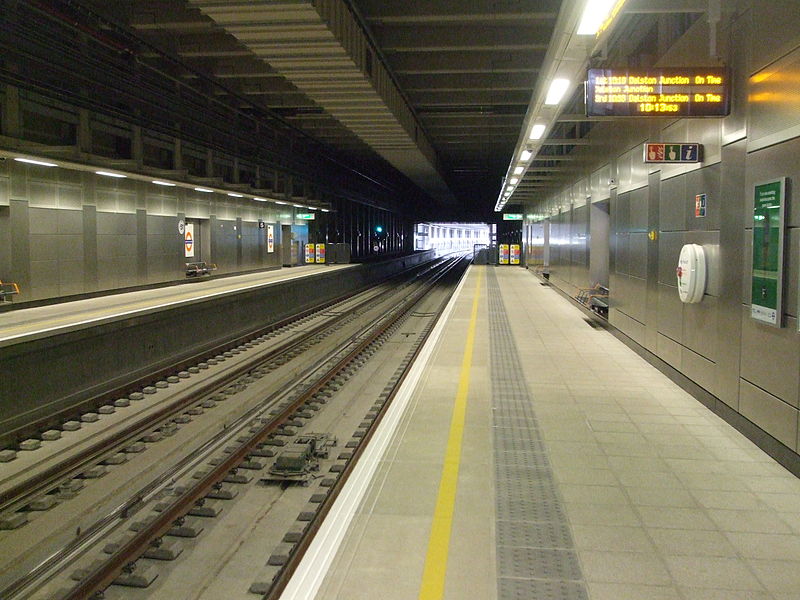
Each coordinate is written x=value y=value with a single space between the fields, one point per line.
x=541 y=458
x=41 y=321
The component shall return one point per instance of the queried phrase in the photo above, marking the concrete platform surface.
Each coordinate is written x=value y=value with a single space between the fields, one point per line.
x=18 y=325
x=606 y=481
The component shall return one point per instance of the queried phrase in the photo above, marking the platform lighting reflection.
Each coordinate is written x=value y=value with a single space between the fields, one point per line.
x=235 y=195
x=30 y=161
x=558 y=88
x=537 y=131
x=204 y=190
x=164 y=183
x=108 y=174
x=526 y=155
x=594 y=15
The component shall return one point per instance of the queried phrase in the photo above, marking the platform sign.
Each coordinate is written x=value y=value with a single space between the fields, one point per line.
x=503 y=259
x=310 y=253
x=672 y=153
x=188 y=240
x=321 y=253
x=514 y=258
x=768 y=239
x=700 y=205
x=512 y=217
x=668 y=92
x=270 y=238
x=305 y=216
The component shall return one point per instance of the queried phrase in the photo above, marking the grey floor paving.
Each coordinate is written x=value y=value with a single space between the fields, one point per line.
x=647 y=495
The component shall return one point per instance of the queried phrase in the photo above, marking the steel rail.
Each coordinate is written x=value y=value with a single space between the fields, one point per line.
x=105 y=574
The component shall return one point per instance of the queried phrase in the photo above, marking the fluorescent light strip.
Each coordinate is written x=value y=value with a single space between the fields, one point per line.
x=278 y=202
x=518 y=170
x=514 y=180
x=164 y=183
x=324 y=210
x=298 y=206
x=526 y=155
x=204 y=190
x=107 y=174
x=41 y=163
x=235 y=195
x=558 y=88
x=537 y=131
x=594 y=15
x=259 y=199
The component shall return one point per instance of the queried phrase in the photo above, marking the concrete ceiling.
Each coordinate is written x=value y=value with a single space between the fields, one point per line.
x=437 y=89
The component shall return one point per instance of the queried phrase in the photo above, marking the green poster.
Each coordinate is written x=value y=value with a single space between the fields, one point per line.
x=767 y=275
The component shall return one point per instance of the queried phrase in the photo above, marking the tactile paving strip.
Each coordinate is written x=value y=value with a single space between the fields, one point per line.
x=536 y=557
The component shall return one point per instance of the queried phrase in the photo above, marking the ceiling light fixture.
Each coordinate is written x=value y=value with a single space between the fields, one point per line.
x=235 y=195
x=279 y=202
x=526 y=155
x=518 y=170
x=164 y=183
x=537 y=131
x=514 y=180
x=259 y=199
x=594 y=15
x=41 y=163
x=558 y=88
x=107 y=174
x=204 y=190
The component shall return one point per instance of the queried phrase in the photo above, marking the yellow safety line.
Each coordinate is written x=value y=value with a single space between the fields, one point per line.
x=433 y=575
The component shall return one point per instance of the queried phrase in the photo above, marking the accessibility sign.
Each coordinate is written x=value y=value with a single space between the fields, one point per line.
x=672 y=153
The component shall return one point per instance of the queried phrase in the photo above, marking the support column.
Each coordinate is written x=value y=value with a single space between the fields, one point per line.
x=12 y=114
x=90 y=272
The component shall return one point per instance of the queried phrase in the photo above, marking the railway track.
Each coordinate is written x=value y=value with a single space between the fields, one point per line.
x=188 y=484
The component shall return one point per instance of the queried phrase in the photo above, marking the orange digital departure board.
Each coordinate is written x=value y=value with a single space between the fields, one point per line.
x=672 y=92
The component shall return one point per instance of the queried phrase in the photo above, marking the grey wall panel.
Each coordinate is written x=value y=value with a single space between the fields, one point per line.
x=637 y=259
x=670 y=313
x=70 y=277
x=770 y=357
x=621 y=213
x=669 y=351
x=630 y=327
x=636 y=306
x=700 y=327
x=768 y=412
x=672 y=205
x=5 y=244
x=704 y=181
x=19 y=226
x=622 y=252
x=699 y=369
x=790 y=273
x=43 y=221
x=638 y=210
x=70 y=221
x=599 y=233
x=731 y=259
x=669 y=249
x=773 y=115
x=771 y=163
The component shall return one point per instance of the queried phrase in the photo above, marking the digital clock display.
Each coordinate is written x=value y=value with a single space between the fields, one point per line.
x=673 y=92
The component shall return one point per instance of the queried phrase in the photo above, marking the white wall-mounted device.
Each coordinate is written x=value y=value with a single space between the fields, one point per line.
x=691 y=273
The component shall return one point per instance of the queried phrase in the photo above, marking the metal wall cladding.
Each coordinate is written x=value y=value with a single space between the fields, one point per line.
x=752 y=367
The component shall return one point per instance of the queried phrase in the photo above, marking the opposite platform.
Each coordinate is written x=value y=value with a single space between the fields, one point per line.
x=545 y=459
x=29 y=323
